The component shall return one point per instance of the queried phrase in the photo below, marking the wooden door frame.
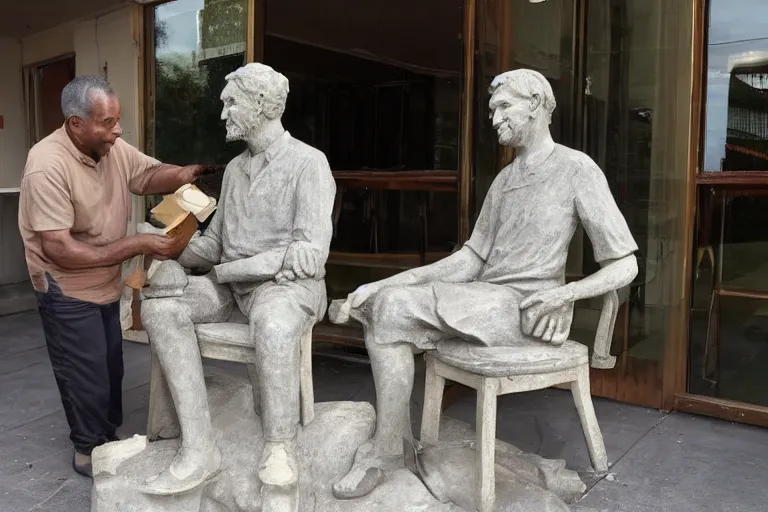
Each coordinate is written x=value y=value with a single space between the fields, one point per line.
x=32 y=98
x=675 y=362
x=677 y=358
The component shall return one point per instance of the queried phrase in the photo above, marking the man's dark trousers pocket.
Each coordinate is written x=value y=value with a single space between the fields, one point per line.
x=85 y=347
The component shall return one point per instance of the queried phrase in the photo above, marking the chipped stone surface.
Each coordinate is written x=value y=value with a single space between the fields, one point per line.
x=325 y=450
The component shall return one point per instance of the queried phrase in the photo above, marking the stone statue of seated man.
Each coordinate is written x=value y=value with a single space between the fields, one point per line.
x=506 y=286
x=265 y=250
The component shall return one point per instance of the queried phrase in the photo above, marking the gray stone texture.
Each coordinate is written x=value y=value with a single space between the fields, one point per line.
x=264 y=252
x=497 y=313
x=325 y=449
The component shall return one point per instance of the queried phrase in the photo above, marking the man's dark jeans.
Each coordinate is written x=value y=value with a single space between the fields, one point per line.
x=85 y=344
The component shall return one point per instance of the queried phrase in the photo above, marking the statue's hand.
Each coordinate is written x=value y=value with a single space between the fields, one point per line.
x=302 y=261
x=358 y=297
x=285 y=275
x=543 y=314
x=354 y=301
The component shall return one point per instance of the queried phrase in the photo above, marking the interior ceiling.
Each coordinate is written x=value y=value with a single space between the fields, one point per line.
x=20 y=18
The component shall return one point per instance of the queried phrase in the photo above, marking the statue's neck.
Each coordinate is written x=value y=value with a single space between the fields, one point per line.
x=268 y=133
x=537 y=151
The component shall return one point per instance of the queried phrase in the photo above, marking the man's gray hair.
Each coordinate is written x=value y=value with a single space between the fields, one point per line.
x=77 y=96
x=256 y=79
x=528 y=83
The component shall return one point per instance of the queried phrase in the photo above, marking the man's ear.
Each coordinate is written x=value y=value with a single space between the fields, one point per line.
x=535 y=104
x=272 y=111
x=75 y=122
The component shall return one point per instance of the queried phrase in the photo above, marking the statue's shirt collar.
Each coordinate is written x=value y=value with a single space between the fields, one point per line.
x=274 y=150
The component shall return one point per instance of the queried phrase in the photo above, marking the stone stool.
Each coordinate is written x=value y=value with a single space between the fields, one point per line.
x=227 y=341
x=494 y=371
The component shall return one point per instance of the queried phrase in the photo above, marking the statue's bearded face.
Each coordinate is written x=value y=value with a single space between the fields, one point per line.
x=512 y=115
x=243 y=115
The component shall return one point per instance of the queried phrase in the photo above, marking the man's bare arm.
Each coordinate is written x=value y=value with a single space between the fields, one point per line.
x=71 y=254
x=165 y=179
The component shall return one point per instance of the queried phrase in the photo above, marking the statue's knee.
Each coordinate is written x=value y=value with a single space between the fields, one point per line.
x=273 y=334
x=162 y=311
x=387 y=302
x=168 y=280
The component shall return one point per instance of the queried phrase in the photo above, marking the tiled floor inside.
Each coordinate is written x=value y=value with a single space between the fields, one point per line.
x=675 y=463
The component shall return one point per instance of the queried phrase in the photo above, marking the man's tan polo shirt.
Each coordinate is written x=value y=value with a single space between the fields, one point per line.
x=62 y=188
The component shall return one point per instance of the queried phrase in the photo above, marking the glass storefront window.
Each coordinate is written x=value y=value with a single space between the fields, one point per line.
x=197 y=43
x=376 y=86
x=628 y=127
x=729 y=316
x=736 y=137
x=515 y=35
x=728 y=325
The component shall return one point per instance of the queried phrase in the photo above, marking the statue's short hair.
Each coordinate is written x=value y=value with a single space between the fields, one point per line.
x=77 y=95
x=527 y=83
x=261 y=80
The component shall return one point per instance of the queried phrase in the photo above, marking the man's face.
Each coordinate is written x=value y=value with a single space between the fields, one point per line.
x=99 y=132
x=511 y=116
x=243 y=115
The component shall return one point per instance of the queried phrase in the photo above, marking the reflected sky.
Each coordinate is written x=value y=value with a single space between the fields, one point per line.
x=180 y=19
x=738 y=33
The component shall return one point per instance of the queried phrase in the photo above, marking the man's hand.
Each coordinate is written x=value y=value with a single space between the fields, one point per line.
x=161 y=247
x=192 y=172
x=543 y=314
x=302 y=261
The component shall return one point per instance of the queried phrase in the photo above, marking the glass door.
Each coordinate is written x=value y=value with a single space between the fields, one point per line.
x=729 y=307
x=614 y=68
x=633 y=123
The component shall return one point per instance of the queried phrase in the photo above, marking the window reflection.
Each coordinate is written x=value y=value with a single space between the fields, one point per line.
x=737 y=86
x=197 y=43
x=729 y=316
x=376 y=86
x=514 y=35
x=730 y=276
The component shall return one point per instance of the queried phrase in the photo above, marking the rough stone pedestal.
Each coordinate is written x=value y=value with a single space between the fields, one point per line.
x=326 y=448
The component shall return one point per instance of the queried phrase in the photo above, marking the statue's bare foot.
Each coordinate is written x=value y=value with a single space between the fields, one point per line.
x=368 y=471
x=189 y=469
x=278 y=466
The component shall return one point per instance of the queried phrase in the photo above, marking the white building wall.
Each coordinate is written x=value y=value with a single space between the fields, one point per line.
x=12 y=137
x=106 y=45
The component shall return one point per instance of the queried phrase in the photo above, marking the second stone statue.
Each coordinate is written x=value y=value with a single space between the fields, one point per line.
x=265 y=252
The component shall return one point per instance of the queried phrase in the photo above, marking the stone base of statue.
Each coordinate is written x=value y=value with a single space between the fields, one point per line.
x=326 y=449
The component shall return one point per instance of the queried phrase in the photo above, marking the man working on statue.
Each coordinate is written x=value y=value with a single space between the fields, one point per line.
x=74 y=209
x=266 y=245
x=506 y=285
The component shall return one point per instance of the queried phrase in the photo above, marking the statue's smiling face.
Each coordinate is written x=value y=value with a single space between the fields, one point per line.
x=243 y=115
x=511 y=115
